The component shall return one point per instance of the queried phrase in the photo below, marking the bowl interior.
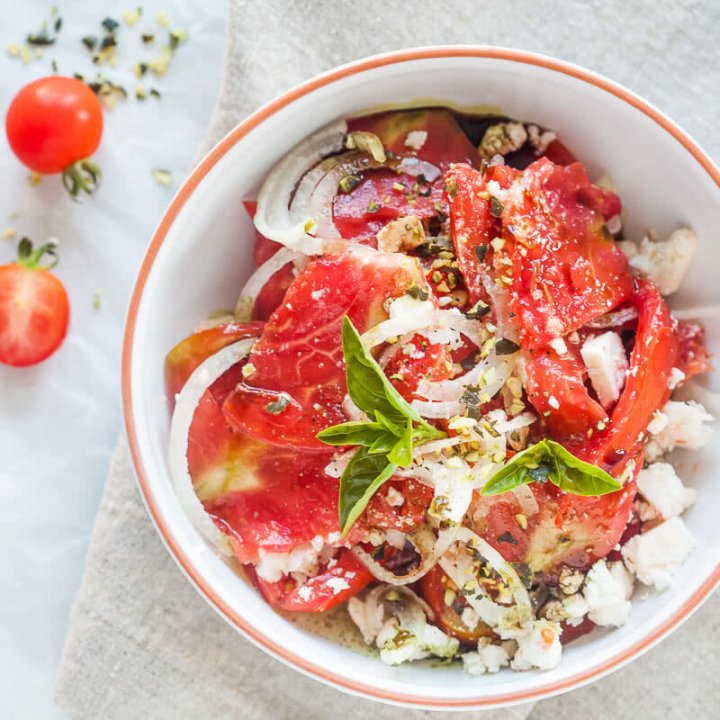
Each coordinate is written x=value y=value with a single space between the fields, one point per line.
x=206 y=255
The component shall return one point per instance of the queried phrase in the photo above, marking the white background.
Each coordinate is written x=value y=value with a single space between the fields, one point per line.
x=59 y=421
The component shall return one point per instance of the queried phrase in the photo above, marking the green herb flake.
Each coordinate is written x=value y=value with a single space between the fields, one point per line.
x=373 y=207
x=278 y=405
x=90 y=42
x=496 y=207
x=415 y=291
x=478 y=310
x=507 y=537
x=481 y=251
x=348 y=183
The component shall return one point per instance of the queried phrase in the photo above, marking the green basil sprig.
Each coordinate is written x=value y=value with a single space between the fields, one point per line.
x=386 y=440
x=548 y=460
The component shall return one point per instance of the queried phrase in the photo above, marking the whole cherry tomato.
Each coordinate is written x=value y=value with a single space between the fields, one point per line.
x=54 y=125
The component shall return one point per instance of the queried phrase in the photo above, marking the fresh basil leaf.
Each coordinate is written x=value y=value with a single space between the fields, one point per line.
x=363 y=476
x=402 y=452
x=578 y=477
x=548 y=460
x=391 y=427
x=352 y=433
x=384 y=443
x=367 y=385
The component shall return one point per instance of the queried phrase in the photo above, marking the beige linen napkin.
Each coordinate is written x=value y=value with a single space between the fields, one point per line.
x=142 y=643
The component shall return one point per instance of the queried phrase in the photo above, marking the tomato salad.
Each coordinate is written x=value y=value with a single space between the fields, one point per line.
x=445 y=394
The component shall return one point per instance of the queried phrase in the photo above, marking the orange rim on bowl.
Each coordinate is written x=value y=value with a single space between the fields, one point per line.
x=195 y=178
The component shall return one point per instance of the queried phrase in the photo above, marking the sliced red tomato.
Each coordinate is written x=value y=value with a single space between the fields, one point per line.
x=559 y=154
x=383 y=514
x=565 y=530
x=445 y=143
x=382 y=196
x=273 y=292
x=416 y=360
x=695 y=359
x=340 y=579
x=565 y=267
x=182 y=360
x=300 y=352
x=655 y=353
x=446 y=601
x=556 y=388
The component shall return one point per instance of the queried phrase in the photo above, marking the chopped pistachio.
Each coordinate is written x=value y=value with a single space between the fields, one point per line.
x=9 y=233
x=162 y=19
x=162 y=177
x=348 y=183
x=248 y=370
x=35 y=178
x=97 y=298
x=140 y=93
x=367 y=142
x=132 y=16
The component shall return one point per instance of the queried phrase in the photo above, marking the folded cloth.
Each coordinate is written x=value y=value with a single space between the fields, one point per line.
x=142 y=643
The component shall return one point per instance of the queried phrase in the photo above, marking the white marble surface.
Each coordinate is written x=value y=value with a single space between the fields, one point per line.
x=60 y=420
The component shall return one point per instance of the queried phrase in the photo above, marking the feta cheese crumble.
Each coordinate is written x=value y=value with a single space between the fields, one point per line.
x=605 y=596
x=660 y=485
x=607 y=365
x=655 y=555
x=539 y=647
x=664 y=263
x=678 y=424
x=415 y=139
x=489 y=658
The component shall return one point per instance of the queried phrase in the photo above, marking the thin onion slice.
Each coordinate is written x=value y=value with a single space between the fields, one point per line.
x=272 y=217
x=429 y=547
x=459 y=566
x=186 y=402
x=256 y=282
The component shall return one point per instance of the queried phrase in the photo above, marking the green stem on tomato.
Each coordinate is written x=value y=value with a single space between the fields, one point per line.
x=82 y=176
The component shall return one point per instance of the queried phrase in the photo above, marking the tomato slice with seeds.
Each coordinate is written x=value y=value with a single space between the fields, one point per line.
x=444 y=144
x=565 y=530
x=340 y=579
x=182 y=360
x=298 y=383
x=565 y=267
x=436 y=588
x=416 y=360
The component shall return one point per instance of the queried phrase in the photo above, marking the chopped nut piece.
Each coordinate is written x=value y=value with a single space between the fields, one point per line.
x=503 y=138
x=162 y=177
x=405 y=233
x=570 y=580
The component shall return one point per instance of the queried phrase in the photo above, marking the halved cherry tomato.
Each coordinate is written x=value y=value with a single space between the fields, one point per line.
x=339 y=580
x=300 y=352
x=34 y=308
x=437 y=588
x=182 y=360
x=54 y=125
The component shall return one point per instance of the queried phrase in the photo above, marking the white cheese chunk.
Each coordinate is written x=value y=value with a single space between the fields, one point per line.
x=663 y=489
x=665 y=263
x=678 y=424
x=655 y=555
x=539 y=647
x=606 y=362
x=488 y=659
x=415 y=139
x=302 y=559
x=605 y=596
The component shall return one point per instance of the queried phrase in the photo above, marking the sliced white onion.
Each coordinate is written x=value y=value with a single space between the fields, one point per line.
x=256 y=282
x=317 y=190
x=517 y=423
x=429 y=547
x=272 y=218
x=415 y=167
x=458 y=565
x=436 y=410
x=406 y=315
x=697 y=312
x=435 y=446
x=186 y=402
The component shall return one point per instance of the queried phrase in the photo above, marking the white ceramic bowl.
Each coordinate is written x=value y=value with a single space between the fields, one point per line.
x=202 y=252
